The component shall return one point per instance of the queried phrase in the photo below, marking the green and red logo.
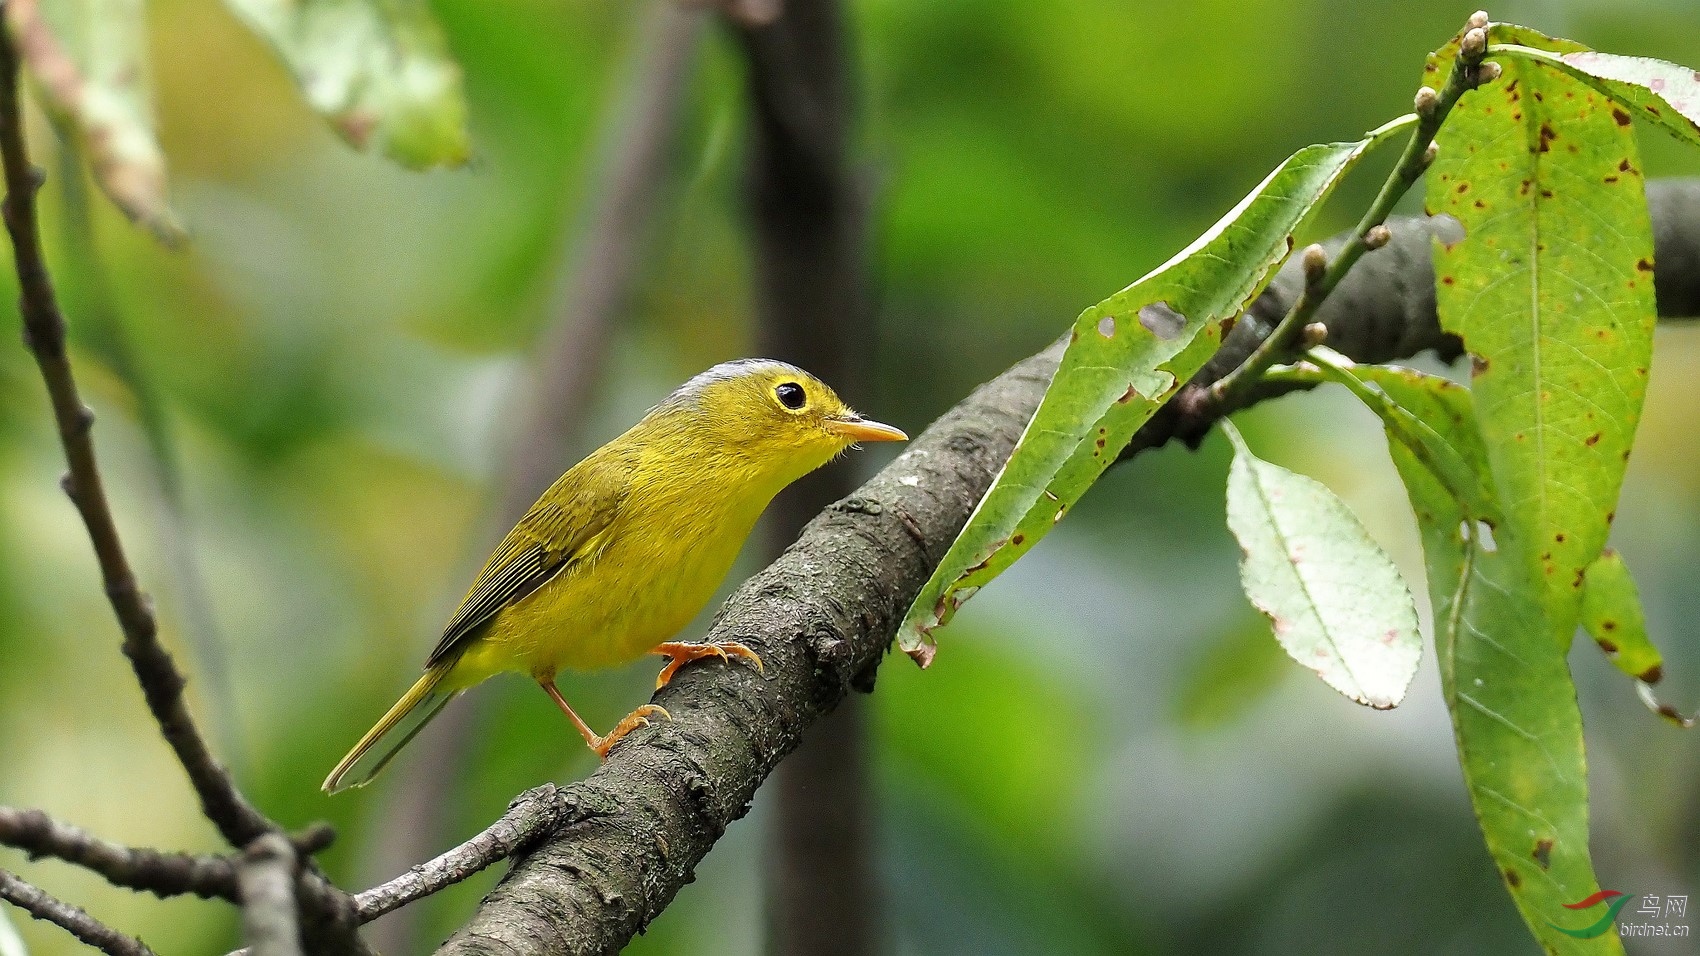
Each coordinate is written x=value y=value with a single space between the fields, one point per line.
x=1604 y=925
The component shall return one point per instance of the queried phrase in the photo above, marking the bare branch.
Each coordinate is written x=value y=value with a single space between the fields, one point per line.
x=34 y=901
x=138 y=868
x=267 y=878
x=807 y=211
x=531 y=814
x=44 y=332
x=331 y=919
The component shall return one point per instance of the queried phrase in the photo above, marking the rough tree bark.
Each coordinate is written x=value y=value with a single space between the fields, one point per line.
x=808 y=221
x=823 y=615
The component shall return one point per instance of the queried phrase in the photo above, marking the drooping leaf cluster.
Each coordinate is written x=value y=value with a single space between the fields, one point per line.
x=1513 y=480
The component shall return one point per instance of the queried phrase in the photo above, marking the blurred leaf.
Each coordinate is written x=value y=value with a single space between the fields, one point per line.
x=1234 y=672
x=1612 y=616
x=1337 y=602
x=1551 y=290
x=90 y=61
x=11 y=944
x=1126 y=357
x=379 y=70
x=1506 y=683
x=1005 y=758
x=1666 y=93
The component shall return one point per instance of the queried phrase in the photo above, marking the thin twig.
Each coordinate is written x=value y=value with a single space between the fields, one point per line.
x=102 y=324
x=267 y=877
x=44 y=333
x=329 y=913
x=1322 y=275
x=531 y=814
x=34 y=901
x=137 y=868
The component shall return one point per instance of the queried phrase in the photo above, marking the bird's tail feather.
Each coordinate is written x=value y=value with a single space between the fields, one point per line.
x=423 y=701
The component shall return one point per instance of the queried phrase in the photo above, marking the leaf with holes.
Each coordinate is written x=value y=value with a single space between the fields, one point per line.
x=90 y=62
x=1551 y=290
x=1338 y=604
x=1126 y=357
x=379 y=70
x=1506 y=683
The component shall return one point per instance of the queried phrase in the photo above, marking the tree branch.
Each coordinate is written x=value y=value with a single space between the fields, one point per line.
x=34 y=901
x=137 y=868
x=630 y=836
x=330 y=920
x=807 y=216
x=531 y=814
x=266 y=876
x=44 y=335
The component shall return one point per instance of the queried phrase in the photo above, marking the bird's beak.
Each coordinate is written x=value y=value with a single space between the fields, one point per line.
x=860 y=429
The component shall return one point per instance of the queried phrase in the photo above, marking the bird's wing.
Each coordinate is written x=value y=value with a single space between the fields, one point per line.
x=566 y=526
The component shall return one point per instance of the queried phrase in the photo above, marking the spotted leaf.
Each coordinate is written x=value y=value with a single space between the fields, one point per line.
x=1126 y=357
x=1551 y=290
x=1338 y=604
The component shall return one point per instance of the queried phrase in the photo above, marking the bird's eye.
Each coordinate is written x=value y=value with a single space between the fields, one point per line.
x=790 y=394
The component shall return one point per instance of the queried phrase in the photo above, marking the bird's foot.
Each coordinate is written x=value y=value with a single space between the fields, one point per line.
x=634 y=720
x=682 y=653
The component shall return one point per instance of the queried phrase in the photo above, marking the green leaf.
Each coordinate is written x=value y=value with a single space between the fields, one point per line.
x=379 y=70
x=1552 y=292
x=1126 y=357
x=1338 y=604
x=1611 y=614
x=1506 y=684
x=1666 y=93
x=90 y=62
x=1468 y=480
x=1232 y=673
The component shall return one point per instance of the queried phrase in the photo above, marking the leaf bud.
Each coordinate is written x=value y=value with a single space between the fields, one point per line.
x=1426 y=102
x=1315 y=263
x=1474 y=45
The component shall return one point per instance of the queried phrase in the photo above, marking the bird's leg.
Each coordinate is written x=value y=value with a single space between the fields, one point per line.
x=632 y=721
x=682 y=653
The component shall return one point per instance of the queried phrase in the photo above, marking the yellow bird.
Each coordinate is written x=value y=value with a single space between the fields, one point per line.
x=626 y=547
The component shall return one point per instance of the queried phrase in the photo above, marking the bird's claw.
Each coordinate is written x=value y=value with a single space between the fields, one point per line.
x=632 y=721
x=682 y=653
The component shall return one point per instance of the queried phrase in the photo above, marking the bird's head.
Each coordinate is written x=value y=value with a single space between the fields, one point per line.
x=772 y=414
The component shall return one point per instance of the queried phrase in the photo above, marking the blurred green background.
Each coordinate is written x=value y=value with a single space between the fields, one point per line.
x=1110 y=755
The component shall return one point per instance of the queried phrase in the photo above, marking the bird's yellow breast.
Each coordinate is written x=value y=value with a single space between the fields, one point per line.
x=644 y=578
